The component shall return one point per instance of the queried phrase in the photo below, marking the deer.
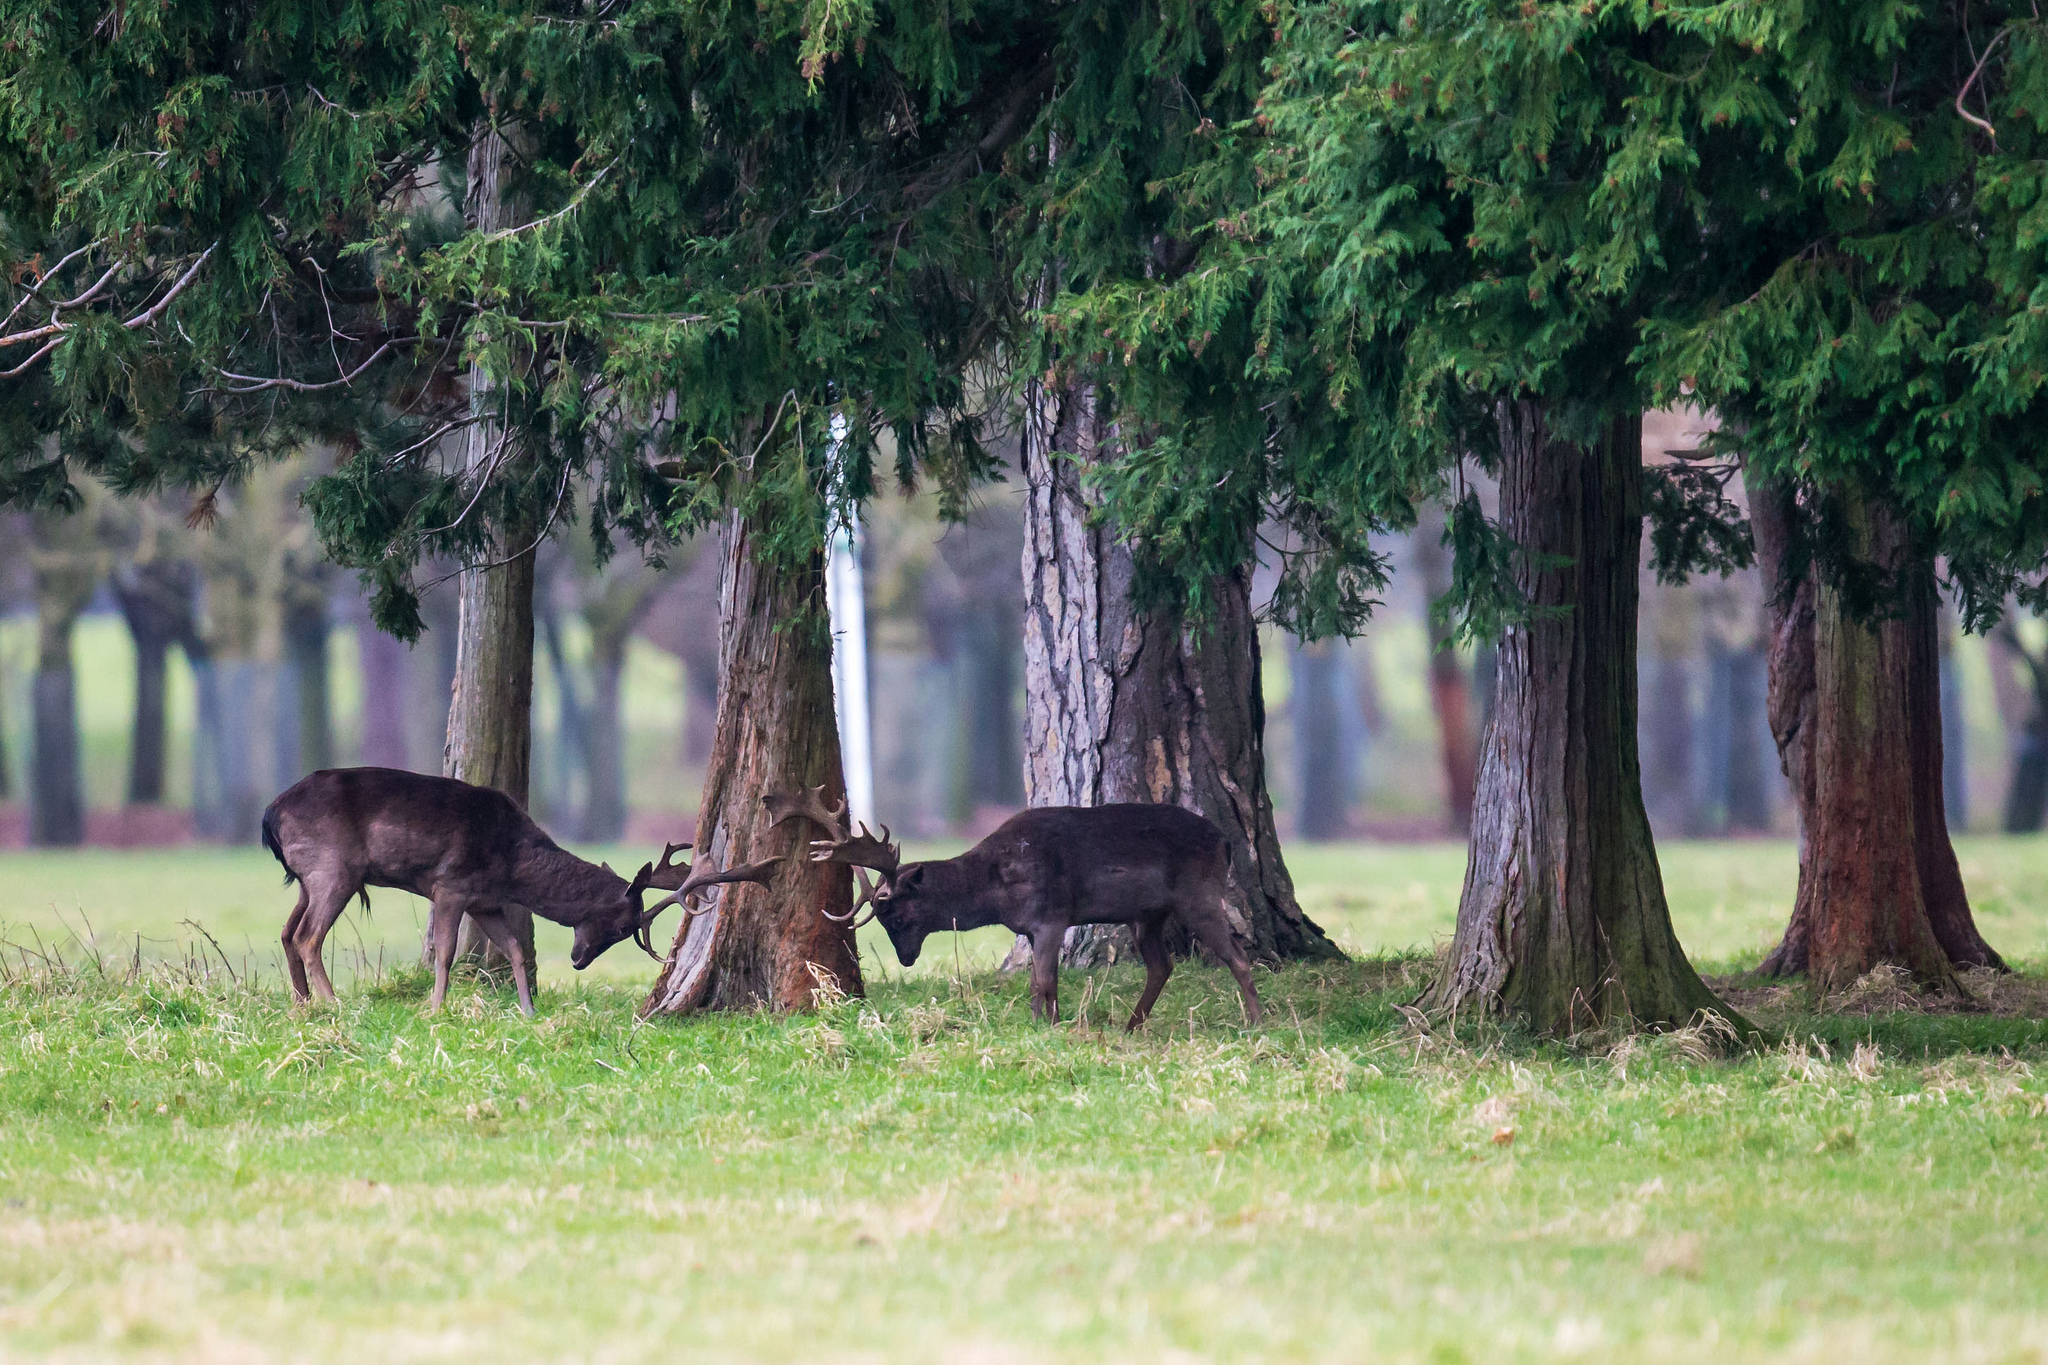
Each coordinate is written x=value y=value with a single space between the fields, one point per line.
x=468 y=850
x=1038 y=874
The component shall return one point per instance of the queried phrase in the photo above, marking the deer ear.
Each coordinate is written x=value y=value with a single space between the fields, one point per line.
x=608 y=867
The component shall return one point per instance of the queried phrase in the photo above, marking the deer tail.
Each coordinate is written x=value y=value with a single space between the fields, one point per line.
x=270 y=841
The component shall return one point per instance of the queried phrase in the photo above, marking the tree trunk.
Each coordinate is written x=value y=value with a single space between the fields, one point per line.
x=65 y=576
x=387 y=690
x=1120 y=707
x=157 y=602
x=1320 y=807
x=604 y=812
x=1563 y=922
x=305 y=643
x=1749 y=794
x=1868 y=902
x=1791 y=698
x=766 y=945
x=490 y=709
x=1450 y=690
x=1856 y=709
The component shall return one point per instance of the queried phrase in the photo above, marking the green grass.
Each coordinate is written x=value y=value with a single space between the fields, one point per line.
x=192 y=1170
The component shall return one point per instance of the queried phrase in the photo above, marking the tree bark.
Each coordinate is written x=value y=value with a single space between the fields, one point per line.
x=1856 y=710
x=490 y=711
x=1450 y=690
x=1563 y=922
x=1123 y=707
x=767 y=945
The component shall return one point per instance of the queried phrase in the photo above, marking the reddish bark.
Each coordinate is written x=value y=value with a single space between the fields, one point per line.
x=766 y=945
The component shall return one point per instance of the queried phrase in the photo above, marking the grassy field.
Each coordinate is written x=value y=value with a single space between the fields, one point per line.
x=192 y=1170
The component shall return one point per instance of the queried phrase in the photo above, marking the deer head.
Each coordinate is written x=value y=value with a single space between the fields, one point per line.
x=684 y=884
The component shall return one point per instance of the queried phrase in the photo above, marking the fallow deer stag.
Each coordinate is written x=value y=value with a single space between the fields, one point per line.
x=470 y=851
x=1041 y=872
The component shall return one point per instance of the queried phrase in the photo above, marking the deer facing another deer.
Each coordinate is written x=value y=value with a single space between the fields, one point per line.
x=469 y=851
x=1040 y=873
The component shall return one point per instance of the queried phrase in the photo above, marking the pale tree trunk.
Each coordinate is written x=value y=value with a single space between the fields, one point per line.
x=490 y=711
x=766 y=945
x=1122 y=707
x=1563 y=922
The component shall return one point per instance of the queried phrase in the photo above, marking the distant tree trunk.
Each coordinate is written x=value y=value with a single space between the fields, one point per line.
x=157 y=602
x=1450 y=690
x=766 y=945
x=572 y=729
x=2023 y=712
x=1955 y=784
x=65 y=577
x=387 y=689
x=1563 y=922
x=1749 y=794
x=604 y=815
x=490 y=710
x=1670 y=758
x=1120 y=707
x=995 y=759
x=1319 y=787
x=305 y=643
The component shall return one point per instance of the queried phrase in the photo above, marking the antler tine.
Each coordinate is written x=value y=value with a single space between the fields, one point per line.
x=810 y=806
x=865 y=849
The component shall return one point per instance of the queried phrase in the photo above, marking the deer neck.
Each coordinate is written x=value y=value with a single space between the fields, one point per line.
x=557 y=885
x=966 y=892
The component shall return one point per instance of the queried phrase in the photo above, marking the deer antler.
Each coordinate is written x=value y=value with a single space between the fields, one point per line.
x=688 y=882
x=861 y=852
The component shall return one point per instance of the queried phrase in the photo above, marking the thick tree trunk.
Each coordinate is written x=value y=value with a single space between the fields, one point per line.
x=766 y=945
x=1120 y=707
x=490 y=710
x=1856 y=709
x=1450 y=690
x=1868 y=903
x=1563 y=922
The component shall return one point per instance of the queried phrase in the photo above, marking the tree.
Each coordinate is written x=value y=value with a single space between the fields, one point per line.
x=1434 y=241
x=1130 y=693
x=1450 y=689
x=66 y=558
x=1880 y=371
x=157 y=586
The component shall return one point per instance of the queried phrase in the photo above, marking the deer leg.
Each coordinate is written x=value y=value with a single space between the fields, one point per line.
x=292 y=963
x=1158 y=966
x=322 y=910
x=1045 y=973
x=444 y=922
x=1214 y=932
x=500 y=933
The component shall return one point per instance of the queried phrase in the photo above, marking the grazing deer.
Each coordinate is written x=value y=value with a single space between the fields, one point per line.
x=1041 y=872
x=468 y=850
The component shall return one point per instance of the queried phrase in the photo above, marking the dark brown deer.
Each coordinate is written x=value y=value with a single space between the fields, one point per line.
x=1041 y=872
x=470 y=851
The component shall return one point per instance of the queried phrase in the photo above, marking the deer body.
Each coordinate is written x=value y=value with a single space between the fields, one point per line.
x=1045 y=870
x=468 y=850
